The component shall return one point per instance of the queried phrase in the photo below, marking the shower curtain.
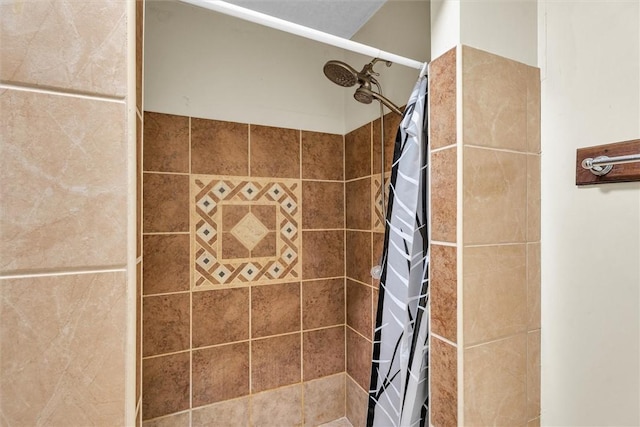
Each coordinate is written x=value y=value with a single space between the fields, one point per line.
x=399 y=391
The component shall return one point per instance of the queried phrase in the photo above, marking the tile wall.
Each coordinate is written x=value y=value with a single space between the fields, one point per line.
x=243 y=280
x=65 y=140
x=486 y=232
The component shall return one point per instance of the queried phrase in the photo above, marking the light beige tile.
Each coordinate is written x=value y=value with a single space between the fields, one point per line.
x=533 y=374
x=356 y=404
x=533 y=285
x=277 y=408
x=65 y=44
x=533 y=198
x=494 y=196
x=64 y=188
x=495 y=383
x=324 y=400
x=495 y=292
x=494 y=97
x=533 y=110
x=340 y=422
x=224 y=414
x=62 y=350
x=174 y=420
x=534 y=423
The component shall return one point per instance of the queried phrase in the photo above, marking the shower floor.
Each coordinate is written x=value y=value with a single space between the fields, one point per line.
x=340 y=422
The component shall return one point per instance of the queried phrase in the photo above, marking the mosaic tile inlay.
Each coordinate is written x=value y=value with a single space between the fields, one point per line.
x=377 y=217
x=244 y=229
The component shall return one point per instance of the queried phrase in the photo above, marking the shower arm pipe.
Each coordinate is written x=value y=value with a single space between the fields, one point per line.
x=302 y=31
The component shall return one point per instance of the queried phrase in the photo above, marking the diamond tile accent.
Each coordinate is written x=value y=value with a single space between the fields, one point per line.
x=377 y=218
x=211 y=194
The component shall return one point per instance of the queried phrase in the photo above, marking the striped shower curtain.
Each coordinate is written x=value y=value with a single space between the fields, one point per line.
x=399 y=391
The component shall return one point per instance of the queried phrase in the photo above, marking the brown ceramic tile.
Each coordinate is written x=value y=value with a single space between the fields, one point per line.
x=322 y=303
x=220 y=316
x=138 y=329
x=66 y=45
x=266 y=214
x=442 y=100
x=277 y=408
x=359 y=307
x=174 y=420
x=166 y=263
x=220 y=373
x=391 y=125
x=533 y=375
x=275 y=152
x=495 y=292
x=232 y=248
x=323 y=254
x=377 y=241
x=444 y=291
x=166 y=203
x=138 y=187
x=358 y=262
x=64 y=180
x=165 y=385
x=495 y=196
x=358 y=204
x=275 y=362
x=232 y=214
x=166 y=143
x=275 y=309
x=356 y=402
x=358 y=358
x=323 y=205
x=322 y=156
x=224 y=414
x=219 y=148
x=443 y=195
x=533 y=285
x=444 y=384
x=494 y=100
x=267 y=247
x=323 y=352
x=357 y=152
x=495 y=383
x=533 y=110
x=165 y=324
x=533 y=198
x=374 y=310
x=324 y=400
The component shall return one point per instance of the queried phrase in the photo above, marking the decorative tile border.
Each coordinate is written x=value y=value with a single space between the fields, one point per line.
x=377 y=217
x=215 y=199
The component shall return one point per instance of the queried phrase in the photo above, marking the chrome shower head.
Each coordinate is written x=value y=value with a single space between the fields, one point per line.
x=340 y=73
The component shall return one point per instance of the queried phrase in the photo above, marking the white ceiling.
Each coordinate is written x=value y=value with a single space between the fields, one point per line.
x=342 y=18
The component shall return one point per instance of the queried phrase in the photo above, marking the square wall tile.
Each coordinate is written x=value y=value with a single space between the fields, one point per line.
x=358 y=204
x=495 y=196
x=220 y=316
x=533 y=374
x=166 y=203
x=322 y=303
x=359 y=358
x=166 y=143
x=323 y=352
x=533 y=110
x=64 y=168
x=220 y=373
x=138 y=329
x=494 y=100
x=223 y=414
x=139 y=131
x=166 y=263
x=219 y=148
x=391 y=125
x=322 y=156
x=358 y=256
x=444 y=291
x=533 y=285
x=324 y=400
x=359 y=307
x=275 y=309
x=65 y=45
x=533 y=198
x=495 y=391
x=62 y=345
x=323 y=205
x=323 y=254
x=275 y=362
x=495 y=292
x=444 y=383
x=277 y=408
x=357 y=403
x=166 y=323
x=444 y=192
x=357 y=152
x=275 y=152
x=442 y=100
x=165 y=385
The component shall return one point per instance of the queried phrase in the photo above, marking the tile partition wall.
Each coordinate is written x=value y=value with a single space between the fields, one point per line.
x=485 y=287
x=64 y=270
x=243 y=279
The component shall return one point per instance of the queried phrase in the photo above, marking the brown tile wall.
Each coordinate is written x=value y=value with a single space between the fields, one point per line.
x=63 y=217
x=251 y=344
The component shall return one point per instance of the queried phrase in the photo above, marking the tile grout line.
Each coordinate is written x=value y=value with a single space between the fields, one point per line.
x=70 y=272
x=190 y=290
x=66 y=92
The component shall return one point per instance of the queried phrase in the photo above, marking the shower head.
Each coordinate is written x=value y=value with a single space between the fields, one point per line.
x=365 y=95
x=341 y=73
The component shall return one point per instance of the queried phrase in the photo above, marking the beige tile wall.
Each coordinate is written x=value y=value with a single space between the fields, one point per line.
x=65 y=141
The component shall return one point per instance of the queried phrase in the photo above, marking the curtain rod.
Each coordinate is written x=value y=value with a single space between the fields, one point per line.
x=309 y=33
